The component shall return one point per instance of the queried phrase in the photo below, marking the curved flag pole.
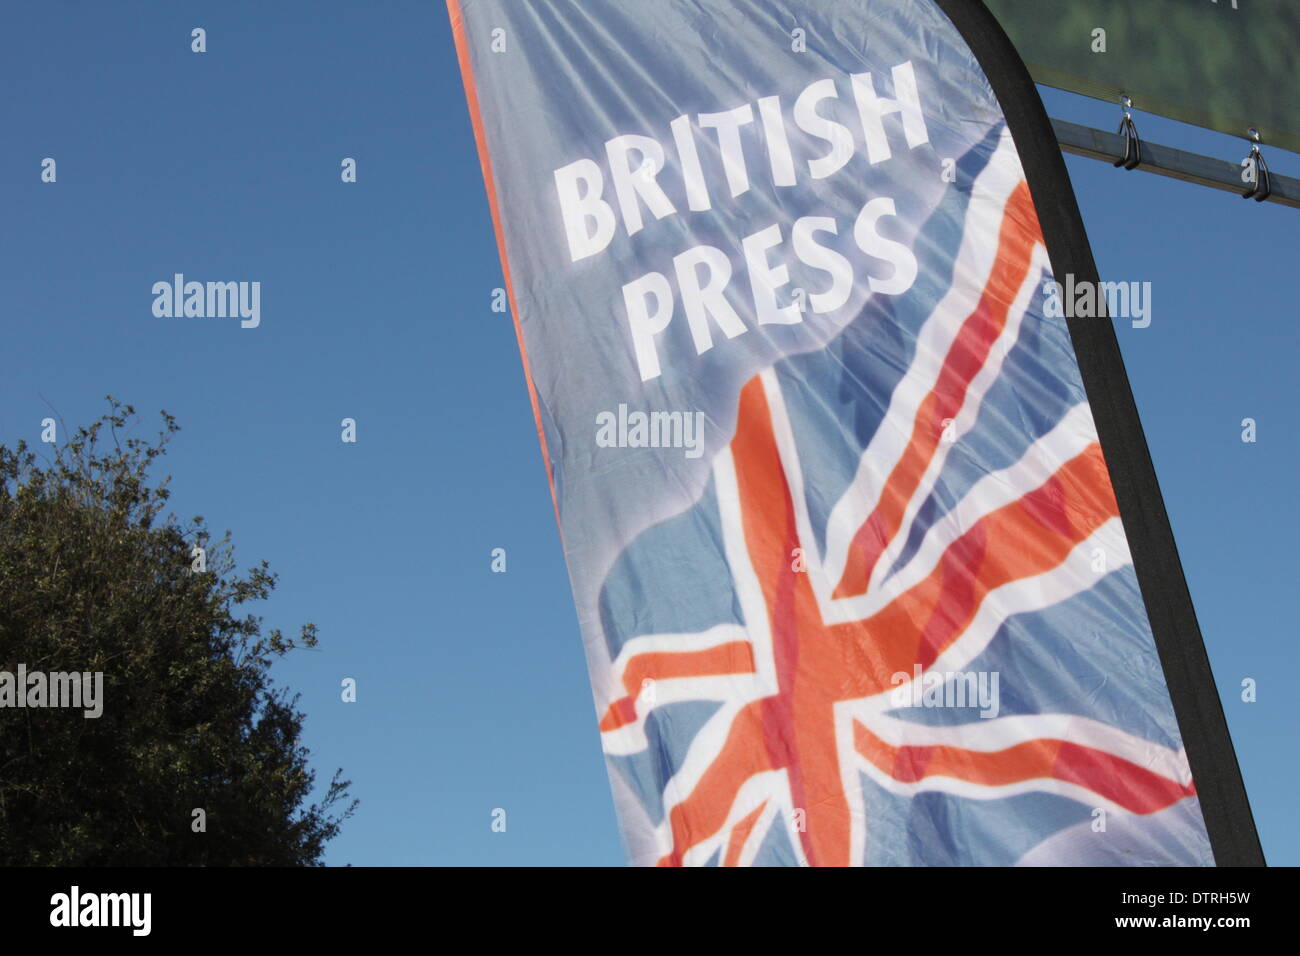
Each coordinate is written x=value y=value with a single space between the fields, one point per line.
x=1228 y=820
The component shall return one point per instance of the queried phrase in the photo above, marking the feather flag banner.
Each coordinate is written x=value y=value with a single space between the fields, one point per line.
x=842 y=476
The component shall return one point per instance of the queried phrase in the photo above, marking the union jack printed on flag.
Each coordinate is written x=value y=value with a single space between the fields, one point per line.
x=848 y=565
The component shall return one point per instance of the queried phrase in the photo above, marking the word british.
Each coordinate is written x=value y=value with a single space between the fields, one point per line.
x=642 y=179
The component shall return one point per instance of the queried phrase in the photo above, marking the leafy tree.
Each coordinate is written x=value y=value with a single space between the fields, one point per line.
x=93 y=577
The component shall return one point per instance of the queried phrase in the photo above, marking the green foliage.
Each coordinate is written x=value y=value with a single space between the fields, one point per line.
x=93 y=577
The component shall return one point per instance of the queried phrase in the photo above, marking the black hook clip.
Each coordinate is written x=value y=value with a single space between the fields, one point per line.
x=1132 y=157
x=1260 y=188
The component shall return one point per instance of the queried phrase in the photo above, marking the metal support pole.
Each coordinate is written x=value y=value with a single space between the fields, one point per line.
x=1167 y=161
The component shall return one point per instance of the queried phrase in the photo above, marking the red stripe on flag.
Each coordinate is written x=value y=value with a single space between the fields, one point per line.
x=735 y=657
x=1133 y=787
x=1018 y=235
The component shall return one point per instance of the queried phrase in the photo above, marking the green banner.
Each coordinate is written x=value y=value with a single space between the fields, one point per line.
x=1223 y=64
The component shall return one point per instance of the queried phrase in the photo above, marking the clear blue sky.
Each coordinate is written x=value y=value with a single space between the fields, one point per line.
x=376 y=305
